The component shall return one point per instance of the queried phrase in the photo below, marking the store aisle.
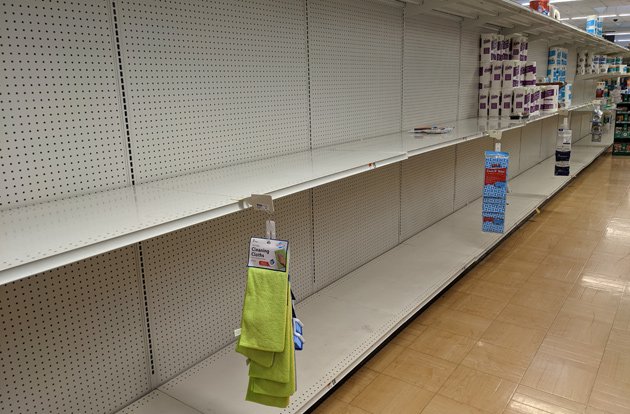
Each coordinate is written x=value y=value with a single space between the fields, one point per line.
x=542 y=325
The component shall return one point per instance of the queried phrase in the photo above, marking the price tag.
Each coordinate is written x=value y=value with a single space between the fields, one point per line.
x=262 y=202
x=268 y=254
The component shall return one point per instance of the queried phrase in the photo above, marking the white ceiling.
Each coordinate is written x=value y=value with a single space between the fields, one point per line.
x=580 y=8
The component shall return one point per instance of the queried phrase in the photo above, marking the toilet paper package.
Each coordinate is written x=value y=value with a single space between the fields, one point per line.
x=497 y=73
x=527 y=97
x=535 y=101
x=518 y=101
x=549 y=104
x=506 y=101
x=494 y=108
x=524 y=49
x=485 y=75
x=505 y=48
x=486 y=48
x=511 y=68
x=530 y=74
x=484 y=97
x=515 y=46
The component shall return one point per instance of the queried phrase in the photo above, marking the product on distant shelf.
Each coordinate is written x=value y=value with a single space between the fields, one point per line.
x=563 y=149
x=597 y=124
x=541 y=6
x=502 y=67
x=557 y=64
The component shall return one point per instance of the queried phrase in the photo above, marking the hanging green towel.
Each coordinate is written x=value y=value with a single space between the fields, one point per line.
x=274 y=385
x=263 y=324
x=279 y=379
x=280 y=402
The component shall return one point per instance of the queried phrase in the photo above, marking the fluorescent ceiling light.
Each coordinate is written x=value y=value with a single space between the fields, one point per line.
x=617 y=33
x=552 y=1
x=564 y=18
x=623 y=40
x=624 y=15
x=580 y=18
x=608 y=15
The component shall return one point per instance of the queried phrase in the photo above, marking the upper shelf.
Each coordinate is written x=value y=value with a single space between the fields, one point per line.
x=44 y=236
x=511 y=17
x=601 y=76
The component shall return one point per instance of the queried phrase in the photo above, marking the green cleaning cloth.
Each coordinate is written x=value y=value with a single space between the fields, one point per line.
x=280 y=402
x=263 y=324
x=279 y=379
x=273 y=386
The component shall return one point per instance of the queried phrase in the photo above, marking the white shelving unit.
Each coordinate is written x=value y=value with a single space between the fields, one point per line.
x=88 y=225
x=601 y=76
x=135 y=131
x=374 y=300
x=513 y=17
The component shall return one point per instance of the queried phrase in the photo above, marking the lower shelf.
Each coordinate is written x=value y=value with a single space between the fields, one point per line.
x=350 y=318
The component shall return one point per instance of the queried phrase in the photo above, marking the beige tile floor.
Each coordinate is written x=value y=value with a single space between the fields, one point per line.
x=542 y=325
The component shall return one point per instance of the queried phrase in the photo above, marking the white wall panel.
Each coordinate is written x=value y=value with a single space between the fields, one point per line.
x=427 y=188
x=72 y=340
x=511 y=143
x=212 y=83
x=430 y=70
x=469 y=170
x=61 y=121
x=355 y=220
x=575 y=123
x=549 y=134
x=539 y=53
x=196 y=280
x=469 y=73
x=585 y=127
x=531 y=145
x=355 y=53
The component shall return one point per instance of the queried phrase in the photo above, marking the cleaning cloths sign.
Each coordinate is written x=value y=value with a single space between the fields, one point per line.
x=268 y=254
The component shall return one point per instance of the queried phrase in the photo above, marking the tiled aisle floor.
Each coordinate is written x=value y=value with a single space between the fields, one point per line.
x=542 y=325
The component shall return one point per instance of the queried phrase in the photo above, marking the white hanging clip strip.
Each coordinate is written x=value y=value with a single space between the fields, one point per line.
x=270 y=232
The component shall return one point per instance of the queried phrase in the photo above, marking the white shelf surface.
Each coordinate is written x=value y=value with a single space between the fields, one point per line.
x=347 y=320
x=513 y=17
x=44 y=236
x=609 y=75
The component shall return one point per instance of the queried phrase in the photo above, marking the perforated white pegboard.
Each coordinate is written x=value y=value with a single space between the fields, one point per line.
x=585 y=126
x=549 y=134
x=427 y=188
x=539 y=52
x=469 y=168
x=196 y=280
x=61 y=121
x=355 y=220
x=355 y=53
x=575 y=123
x=72 y=340
x=531 y=145
x=212 y=83
x=430 y=70
x=511 y=143
x=469 y=73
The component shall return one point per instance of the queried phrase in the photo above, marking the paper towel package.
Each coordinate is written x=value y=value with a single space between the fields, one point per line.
x=484 y=96
x=494 y=109
x=486 y=48
x=506 y=101
x=518 y=101
x=485 y=75
x=497 y=73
